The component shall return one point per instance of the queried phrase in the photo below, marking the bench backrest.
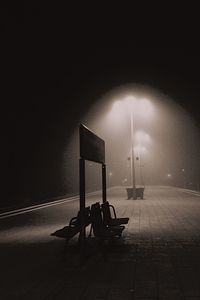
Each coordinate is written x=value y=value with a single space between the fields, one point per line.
x=96 y=218
x=106 y=212
x=83 y=217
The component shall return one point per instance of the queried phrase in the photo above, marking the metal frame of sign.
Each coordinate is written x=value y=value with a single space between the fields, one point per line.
x=92 y=148
x=95 y=152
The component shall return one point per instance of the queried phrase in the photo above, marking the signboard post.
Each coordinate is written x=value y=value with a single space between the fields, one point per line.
x=92 y=148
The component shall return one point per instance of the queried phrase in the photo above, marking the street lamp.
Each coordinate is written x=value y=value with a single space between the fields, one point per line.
x=132 y=158
x=142 y=108
x=139 y=106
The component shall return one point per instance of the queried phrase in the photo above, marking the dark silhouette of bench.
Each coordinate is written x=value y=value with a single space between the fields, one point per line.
x=100 y=229
x=139 y=193
x=76 y=225
x=107 y=216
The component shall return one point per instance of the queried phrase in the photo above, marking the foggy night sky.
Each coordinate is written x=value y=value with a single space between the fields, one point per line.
x=53 y=74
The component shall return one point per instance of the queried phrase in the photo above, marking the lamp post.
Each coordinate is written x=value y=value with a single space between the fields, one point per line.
x=132 y=159
x=141 y=139
x=131 y=104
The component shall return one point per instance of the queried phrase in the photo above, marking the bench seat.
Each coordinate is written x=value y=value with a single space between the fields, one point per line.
x=107 y=218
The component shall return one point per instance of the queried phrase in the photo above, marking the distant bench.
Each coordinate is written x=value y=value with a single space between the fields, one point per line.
x=139 y=193
x=103 y=226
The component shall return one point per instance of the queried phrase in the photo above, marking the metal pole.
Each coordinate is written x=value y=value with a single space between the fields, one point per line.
x=104 y=182
x=132 y=158
x=140 y=163
x=82 y=194
x=82 y=183
x=141 y=171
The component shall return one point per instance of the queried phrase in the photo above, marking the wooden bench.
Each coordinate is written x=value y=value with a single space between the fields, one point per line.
x=107 y=216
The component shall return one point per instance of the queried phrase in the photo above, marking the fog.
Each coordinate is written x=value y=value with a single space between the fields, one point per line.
x=166 y=141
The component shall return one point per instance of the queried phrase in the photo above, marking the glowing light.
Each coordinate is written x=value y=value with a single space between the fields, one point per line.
x=142 y=137
x=124 y=181
x=141 y=108
x=116 y=114
x=117 y=107
x=169 y=175
x=145 y=107
x=139 y=149
x=130 y=103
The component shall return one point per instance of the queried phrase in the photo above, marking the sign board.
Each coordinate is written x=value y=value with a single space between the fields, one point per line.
x=92 y=147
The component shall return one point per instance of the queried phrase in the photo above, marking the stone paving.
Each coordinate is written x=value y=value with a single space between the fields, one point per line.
x=158 y=257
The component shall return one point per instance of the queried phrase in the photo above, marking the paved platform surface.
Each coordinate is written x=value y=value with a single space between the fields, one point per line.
x=158 y=257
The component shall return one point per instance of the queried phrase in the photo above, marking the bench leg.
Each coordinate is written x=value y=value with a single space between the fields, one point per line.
x=90 y=233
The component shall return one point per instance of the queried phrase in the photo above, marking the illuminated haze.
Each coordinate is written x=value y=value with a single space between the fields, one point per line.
x=166 y=141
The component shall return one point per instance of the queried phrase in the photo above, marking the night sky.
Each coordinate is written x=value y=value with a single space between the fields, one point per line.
x=52 y=72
